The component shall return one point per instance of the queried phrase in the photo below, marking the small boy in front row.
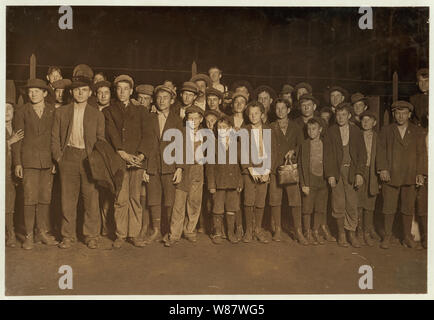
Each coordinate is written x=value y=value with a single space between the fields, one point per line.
x=225 y=184
x=312 y=180
x=367 y=194
x=345 y=166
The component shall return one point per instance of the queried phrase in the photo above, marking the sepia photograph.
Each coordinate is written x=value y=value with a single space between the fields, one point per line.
x=215 y=150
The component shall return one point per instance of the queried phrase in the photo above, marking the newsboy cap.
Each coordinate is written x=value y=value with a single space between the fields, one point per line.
x=194 y=109
x=242 y=83
x=368 y=113
x=81 y=82
x=215 y=92
x=82 y=70
x=423 y=72
x=343 y=91
x=287 y=88
x=124 y=78
x=36 y=83
x=190 y=86
x=202 y=77
x=305 y=85
x=358 y=97
x=212 y=112
x=102 y=83
x=308 y=96
x=11 y=93
x=401 y=104
x=168 y=89
x=240 y=94
x=61 y=84
x=145 y=89
x=265 y=88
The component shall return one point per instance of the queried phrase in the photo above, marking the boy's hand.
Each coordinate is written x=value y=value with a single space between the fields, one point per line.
x=289 y=154
x=332 y=182
x=420 y=180
x=265 y=178
x=385 y=175
x=145 y=176
x=177 y=177
x=129 y=158
x=212 y=191
x=239 y=189
x=359 y=181
x=17 y=136
x=305 y=190
x=19 y=171
x=256 y=178
x=53 y=170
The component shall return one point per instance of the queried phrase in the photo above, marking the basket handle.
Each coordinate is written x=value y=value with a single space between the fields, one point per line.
x=288 y=161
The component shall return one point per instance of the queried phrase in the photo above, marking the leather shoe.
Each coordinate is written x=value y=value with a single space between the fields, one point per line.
x=65 y=244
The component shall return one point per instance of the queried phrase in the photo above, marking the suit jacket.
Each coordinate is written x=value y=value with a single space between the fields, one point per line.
x=403 y=158
x=371 y=172
x=127 y=128
x=304 y=161
x=156 y=163
x=93 y=125
x=34 y=150
x=420 y=103
x=333 y=150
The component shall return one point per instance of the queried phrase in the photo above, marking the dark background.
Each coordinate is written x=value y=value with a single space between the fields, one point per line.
x=323 y=46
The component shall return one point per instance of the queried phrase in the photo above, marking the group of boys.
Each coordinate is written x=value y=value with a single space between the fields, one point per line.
x=112 y=149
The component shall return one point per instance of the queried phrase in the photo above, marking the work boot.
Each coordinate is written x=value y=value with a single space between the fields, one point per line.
x=239 y=233
x=118 y=243
x=386 y=242
x=300 y=238
x=359 y=231
x=408 y=242
x=309 y=237
x=28 y=242
x=354 y=239
x=248 y=235
x=230 y=221
x=155 y=235
x=46 y=239
x=261 y=236
x=317 y=237
x=368 y=239
x=326 y=232
x=277 y=234
x=139 y=242
x=92 y=243
x=342 y=239
x=374 y=234
x=11 y=240
x=216 y=237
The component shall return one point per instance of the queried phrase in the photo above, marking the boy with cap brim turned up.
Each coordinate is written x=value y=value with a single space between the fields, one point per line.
x=345 y=164
x=367 y=193
x=400 y=162
x=33 y=162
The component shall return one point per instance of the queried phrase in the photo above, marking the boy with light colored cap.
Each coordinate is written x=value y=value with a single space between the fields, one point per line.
x=145 y=93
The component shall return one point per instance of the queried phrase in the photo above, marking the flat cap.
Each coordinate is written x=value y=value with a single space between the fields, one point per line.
x=102 y=83
x=213 y=112
x=340 y=89
x=229 y=120
x=305 y=85
x=82 y=70
x=423 y=72
x=202 y=77
x=124 y=78
x=239 y=94
x=61 y=84
x=36 y=83
x=242 y=83
x=11 y=93
x=145 y=89
x=81 y=82
x=358 y=97
x=190 y=86
x=326 y=109
x=194 y=109
x=287 y=88
x=265 y=88
x=168 y=89
x=308 y=96
x=368 y=113
x=401 y=104
x=213 y=91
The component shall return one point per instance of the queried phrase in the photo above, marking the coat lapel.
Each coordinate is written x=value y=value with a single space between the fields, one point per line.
x=69 y=119
x=398 y=135
x=87 y=124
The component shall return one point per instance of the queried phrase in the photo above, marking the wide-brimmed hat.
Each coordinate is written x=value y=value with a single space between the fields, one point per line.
x=190 y=86
x=36 y=83
x=61 y=84
x=203 y=77
x=81 y=82
x=308 y=96
x=215 y=92
x=82 y=70
x=358 y=97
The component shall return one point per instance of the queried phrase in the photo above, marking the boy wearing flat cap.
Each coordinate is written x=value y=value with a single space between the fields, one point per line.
x=214 y=99
x=265 y=95
x=401 y=157
x=367 y=193
x=188 y=194
x=202 y=82
x=360 y=104
x=162 y=177
x=145 y=93
x=59 y=87
x=126 y=130
x=77 y=127
x=308 y=105
x=189 y=93
x=33 y=162
x=420 y=100
x=244 y=87
x=345 y=164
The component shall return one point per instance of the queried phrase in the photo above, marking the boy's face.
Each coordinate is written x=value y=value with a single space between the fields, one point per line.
x=401 y=116
x=326 y=116
x=301 y=92
x=342 y=117
x=54 y=76
x=201 y=85
x=215 y=74
x=307 y=108
x=103 y=95
x=164 y=100
x=368 y=123
x=265 y=99
x=423 y=83
x=9 y=112
x=37 y=95
x=287 y=96
x=213 y=102
x=124 y=91
x=188 y=97
x=336 y=97
x=282 y=110
x=359 y=107
x=59 y=95
x=239 y=104
x=314 y=130
x=222 y=128
x=144 y=99
x=255 y=114
x=210 y=120
x=81 y=94
x=196 y=118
